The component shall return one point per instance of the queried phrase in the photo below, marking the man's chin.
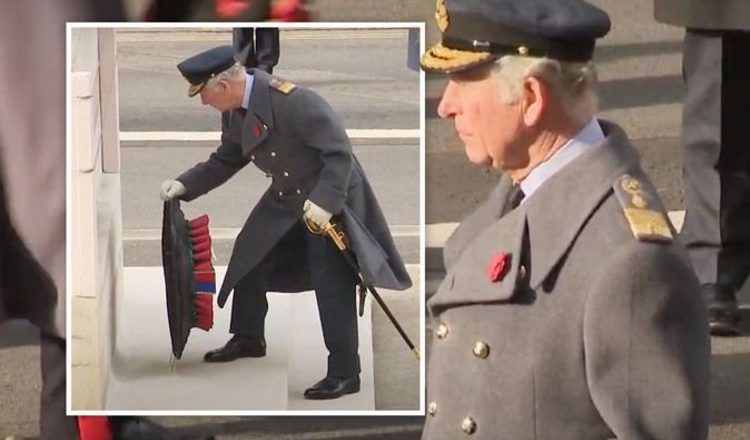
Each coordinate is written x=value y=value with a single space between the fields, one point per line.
x=479 y=159
x=483 y=161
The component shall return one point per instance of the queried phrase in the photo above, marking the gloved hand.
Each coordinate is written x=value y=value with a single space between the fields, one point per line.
x=171 y=189
x=315 y=213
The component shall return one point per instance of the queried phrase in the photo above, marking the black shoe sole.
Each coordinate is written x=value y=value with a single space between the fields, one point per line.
x=233 y=358
x=723 y=329
x=345 y=391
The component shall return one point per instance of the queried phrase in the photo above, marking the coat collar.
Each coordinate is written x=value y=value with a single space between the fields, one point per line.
x=549 y=221
x=260 y=98
x=258 y=121
x=557 y=212
x=468 y=283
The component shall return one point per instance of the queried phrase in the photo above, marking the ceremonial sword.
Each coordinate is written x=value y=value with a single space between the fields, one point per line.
x=338 y=239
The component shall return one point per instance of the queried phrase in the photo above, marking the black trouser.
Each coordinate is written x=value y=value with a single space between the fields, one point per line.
x=335 y=288
x=257 y=47
x=716 y=161
x=53 y=423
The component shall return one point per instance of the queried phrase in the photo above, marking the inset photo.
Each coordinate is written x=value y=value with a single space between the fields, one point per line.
x=245 y=219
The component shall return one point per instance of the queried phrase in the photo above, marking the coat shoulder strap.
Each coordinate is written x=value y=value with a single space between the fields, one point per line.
x=283 y=86
x=639 y=202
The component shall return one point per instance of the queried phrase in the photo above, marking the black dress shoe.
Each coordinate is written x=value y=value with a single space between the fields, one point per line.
x=238 y=347
x=137 y=428
x=332 y=388
x=723 y=314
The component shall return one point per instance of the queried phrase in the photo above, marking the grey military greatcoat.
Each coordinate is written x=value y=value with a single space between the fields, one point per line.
x=704 y=14
x=588 y=333
x=293 y=135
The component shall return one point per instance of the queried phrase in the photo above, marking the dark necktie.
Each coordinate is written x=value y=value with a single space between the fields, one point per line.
x=515 y=196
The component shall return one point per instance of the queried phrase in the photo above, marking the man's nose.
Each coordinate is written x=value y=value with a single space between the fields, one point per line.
x=447 y=106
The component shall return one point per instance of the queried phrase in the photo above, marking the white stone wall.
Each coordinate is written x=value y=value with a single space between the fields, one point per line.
x=95 y=214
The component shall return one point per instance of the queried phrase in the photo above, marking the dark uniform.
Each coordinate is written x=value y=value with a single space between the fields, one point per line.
x=716 y=159
x=575 y=315
x=257 y=47
x=293 y=135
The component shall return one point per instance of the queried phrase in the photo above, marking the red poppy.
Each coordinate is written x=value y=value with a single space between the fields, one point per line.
x=256 y=131
x=498 y=267
x=227 y=9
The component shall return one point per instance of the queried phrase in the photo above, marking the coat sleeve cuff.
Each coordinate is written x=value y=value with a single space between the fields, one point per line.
x=328 y=199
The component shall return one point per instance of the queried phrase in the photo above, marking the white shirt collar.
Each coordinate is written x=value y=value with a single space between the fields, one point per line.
x=249 y=79
x=590 y=136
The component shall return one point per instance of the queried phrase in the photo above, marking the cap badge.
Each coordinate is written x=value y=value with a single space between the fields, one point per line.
x=523 y=51
x=498 y=267
x=441 y=15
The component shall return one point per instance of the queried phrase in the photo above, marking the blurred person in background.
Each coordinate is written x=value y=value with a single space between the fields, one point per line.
x=32 y=198
x=716 y=154
x=227 y=10
x=256 y=47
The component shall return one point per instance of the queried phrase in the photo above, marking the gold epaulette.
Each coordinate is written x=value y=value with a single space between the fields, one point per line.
x=639 y=203
x=281 y=85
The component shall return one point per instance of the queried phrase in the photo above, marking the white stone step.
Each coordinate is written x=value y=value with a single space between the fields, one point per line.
x=296 y=358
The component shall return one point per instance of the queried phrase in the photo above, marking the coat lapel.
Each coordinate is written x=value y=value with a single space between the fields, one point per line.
x=552 y=218
x=488 y=212
x=560 y=208
x=468 y=282
x=258 y=121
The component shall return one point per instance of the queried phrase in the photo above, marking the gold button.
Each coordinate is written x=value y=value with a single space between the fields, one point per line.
x=252 y=157
x=299 y=191
x=286 y=174
x=432 y=409
x=273 y=154
x=281 y=193
x=468 y=425
x=481 y=350
x=442 y=331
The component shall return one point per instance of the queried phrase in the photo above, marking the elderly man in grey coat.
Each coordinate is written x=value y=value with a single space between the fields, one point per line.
x=568 y=311
x=295 y=137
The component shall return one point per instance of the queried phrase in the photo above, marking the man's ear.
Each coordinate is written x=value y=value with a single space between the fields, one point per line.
x=535 y=100
x=224 y=84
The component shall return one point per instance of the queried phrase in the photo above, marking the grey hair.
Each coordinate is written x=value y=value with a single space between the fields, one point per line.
x=233 y=73
x=574 y=84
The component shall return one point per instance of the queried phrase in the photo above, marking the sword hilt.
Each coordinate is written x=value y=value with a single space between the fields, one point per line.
x=327 y=229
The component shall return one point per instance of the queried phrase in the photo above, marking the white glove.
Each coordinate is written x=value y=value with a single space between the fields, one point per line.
x=315 y=213
x=171 y=189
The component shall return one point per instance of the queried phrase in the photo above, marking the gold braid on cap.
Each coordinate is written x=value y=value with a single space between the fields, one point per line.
x=445 y=59
x=441 y=15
